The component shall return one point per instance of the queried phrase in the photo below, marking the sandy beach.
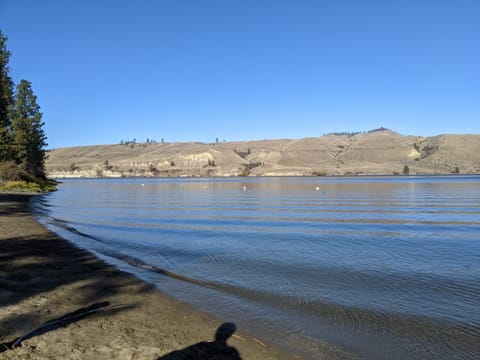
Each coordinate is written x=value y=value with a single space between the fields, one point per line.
x=61 y=302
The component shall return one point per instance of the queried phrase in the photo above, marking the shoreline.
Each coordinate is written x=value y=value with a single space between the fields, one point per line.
x=44 y=278
x=360 y=175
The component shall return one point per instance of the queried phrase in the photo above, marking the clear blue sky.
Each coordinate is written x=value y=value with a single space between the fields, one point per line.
x=195 y=70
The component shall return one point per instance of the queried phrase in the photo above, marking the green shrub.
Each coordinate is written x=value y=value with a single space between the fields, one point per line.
x=20 y=185
x=244 y=172
x=37 y=186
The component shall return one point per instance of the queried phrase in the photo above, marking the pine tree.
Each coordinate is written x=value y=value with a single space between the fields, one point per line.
x=6 y=102
x=28 y=134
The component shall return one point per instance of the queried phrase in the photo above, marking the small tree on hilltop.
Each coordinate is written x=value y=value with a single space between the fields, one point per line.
x=28 y=134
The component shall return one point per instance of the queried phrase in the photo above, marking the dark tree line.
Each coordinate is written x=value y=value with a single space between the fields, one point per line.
x=22 y=138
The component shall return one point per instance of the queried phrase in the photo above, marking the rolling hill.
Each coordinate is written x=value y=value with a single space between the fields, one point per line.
x=380 y=152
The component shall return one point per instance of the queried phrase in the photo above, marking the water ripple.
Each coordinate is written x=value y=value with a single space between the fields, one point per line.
x=383 y=267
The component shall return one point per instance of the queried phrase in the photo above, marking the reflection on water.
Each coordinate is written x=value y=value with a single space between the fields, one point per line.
x=385 y=267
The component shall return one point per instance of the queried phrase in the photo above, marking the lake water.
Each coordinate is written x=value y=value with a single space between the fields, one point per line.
x=382 y=267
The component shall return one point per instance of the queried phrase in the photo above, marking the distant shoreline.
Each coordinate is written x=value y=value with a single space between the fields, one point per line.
x=262 y=176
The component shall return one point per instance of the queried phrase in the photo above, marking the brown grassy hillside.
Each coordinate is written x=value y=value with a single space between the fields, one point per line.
x=380 y=152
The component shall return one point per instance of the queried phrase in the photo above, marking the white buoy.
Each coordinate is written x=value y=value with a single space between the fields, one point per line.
x=244 y=188
x=317 y=188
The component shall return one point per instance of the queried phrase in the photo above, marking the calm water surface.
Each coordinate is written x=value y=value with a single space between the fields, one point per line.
x=383 y=267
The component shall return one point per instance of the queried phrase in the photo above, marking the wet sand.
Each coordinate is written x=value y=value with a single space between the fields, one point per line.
x=86 y=309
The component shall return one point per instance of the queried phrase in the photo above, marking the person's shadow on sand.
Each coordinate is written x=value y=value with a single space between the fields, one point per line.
x=215 y=350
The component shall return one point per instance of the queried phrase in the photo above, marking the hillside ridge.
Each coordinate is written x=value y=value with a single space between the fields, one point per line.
x=381 y=152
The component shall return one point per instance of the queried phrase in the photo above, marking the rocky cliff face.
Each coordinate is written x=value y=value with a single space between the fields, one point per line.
x=377 y=153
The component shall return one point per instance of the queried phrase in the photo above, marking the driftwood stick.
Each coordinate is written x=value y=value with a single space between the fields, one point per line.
x=55 y=323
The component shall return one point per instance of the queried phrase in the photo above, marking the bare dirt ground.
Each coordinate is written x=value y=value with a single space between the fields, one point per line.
x=85 y=309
